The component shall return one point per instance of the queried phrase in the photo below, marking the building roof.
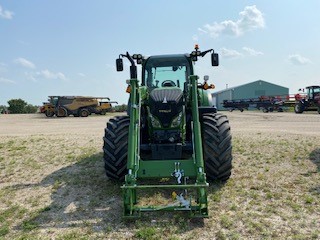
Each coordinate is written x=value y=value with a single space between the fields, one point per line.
x=229 y=88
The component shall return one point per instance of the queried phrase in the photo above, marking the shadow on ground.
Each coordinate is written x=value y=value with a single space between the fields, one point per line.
x=315 y=158
x=82 y=196
x=80 y=193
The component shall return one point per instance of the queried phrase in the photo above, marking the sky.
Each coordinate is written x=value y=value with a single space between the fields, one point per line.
x=70 y=47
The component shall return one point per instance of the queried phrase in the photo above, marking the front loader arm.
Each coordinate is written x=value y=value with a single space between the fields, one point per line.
x=134 y=130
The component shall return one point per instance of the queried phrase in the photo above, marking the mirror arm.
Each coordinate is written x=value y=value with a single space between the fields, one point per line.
x=133 y=67
x=205 y=52
x=127 y=55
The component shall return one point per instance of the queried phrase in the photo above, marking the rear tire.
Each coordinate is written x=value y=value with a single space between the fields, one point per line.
x=62 y=112
x=84 y=113
x=115 y=147
x=216 y=144
x=298 y=108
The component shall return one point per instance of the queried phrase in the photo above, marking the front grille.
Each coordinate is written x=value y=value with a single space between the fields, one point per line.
x=165 y=104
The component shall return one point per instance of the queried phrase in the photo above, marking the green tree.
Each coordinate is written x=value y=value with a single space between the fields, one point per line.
x=30 y=109
x=121 y=108
x=17 y=105
x=21 y=106
x=3 y=109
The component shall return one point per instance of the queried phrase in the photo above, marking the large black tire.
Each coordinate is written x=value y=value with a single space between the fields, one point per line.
x=217 y=147
x=49 y=113
x=103 y=112
x=115 y=147
x=62 y=112
x=84 y=112
x=298 y=108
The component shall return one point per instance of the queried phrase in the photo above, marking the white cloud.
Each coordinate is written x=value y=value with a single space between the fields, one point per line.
x=24 y=62
x=81 y=74
x=3 y=67
x=250 y=18
x=30 y=76
x=297 y=59
x=195 y=38
x=201 y=30
x=5 y=80
x=36 y=76
x=251 y=51
x=5 y=13
x=230 y=53
x=51 y=75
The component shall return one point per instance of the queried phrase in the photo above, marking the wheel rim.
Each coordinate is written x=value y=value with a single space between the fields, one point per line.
x=84 y=113
x=62 y=112
x=49 y=113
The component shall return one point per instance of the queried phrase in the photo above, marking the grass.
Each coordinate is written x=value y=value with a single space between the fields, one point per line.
x=54 y=192
x=147 y=233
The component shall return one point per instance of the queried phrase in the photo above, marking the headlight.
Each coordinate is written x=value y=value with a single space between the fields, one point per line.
x=155 y=122
x=176 y=121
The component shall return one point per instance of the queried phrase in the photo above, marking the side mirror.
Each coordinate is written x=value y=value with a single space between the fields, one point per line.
x=215 y=59
x=119 y=64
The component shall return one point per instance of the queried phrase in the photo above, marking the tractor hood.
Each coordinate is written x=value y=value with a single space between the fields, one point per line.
x=165 y=104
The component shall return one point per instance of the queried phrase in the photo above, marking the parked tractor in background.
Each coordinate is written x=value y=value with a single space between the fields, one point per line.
x=172 y=133
x=309 y=101
x=63 y=106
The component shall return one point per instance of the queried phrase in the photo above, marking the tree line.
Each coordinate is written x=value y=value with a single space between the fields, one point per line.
x=120 y=108
x=18 y=106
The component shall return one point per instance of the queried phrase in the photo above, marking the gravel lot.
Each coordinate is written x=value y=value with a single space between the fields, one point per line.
x=284 y=123
x=247 y=122
x=39 y=124
x=52 y=182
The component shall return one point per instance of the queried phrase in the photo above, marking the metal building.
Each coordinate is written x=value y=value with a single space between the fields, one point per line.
x=254 y=89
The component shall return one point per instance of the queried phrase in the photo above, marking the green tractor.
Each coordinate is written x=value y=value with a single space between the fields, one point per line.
x=172 y=133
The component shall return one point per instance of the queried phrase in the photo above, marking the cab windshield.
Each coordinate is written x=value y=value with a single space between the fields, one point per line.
x=313 y=92
x=53 y=100
x=166 y=72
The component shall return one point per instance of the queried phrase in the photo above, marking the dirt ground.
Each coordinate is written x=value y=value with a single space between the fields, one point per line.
x=247 y=122
x=241 y=123
x=53 y=186
x=280 y=123
x=33 y=124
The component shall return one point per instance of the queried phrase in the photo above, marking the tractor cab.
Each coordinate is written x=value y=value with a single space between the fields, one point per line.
x=166 y=71
x=165 y=78
x=313 y=92
x=311 y=102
